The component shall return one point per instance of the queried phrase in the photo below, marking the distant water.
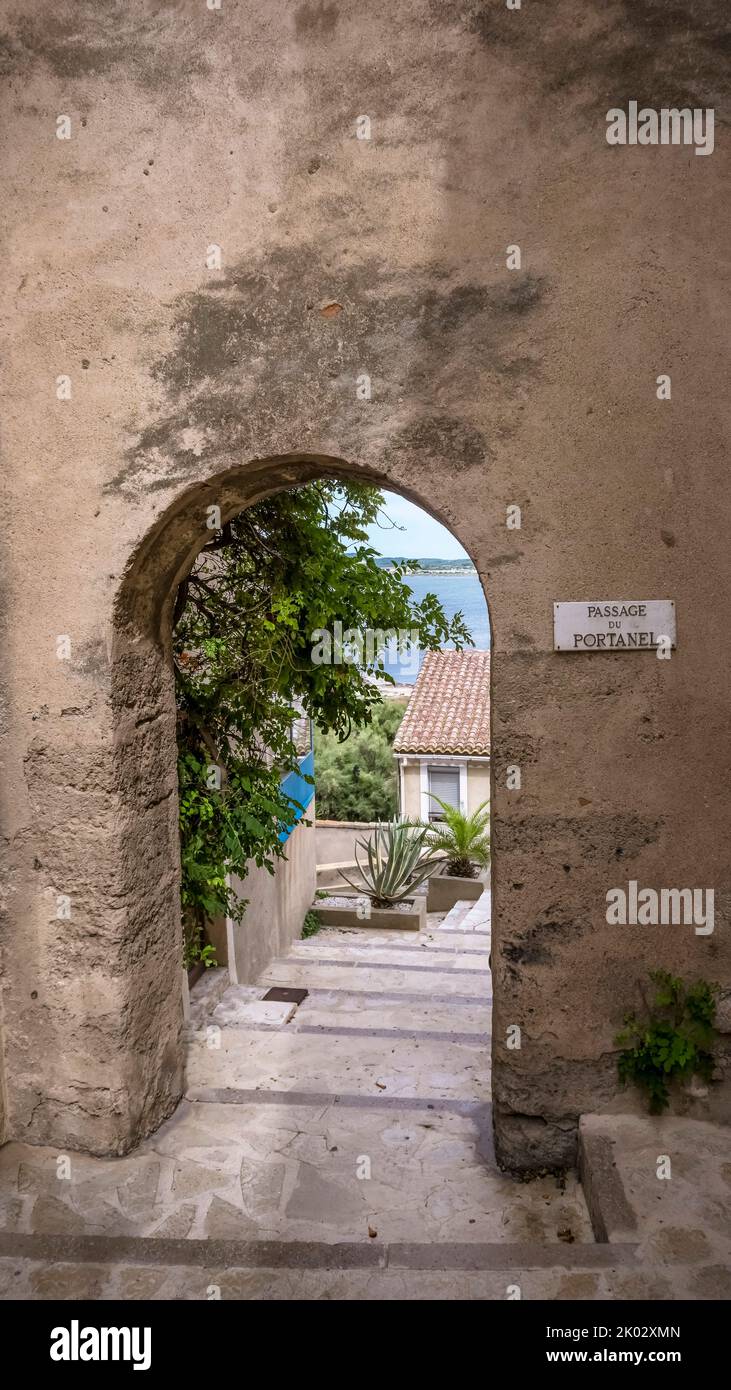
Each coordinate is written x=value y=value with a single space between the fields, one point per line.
x=456 y=593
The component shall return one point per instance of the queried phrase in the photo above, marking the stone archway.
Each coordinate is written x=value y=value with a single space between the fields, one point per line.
x=492 y=386
x=148 y=1049
x=94 y=1060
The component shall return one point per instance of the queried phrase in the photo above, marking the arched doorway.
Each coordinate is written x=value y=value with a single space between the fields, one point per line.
x=145 y=761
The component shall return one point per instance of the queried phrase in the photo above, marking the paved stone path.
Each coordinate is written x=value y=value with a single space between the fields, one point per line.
x=345 y=1153
x=663 y=1183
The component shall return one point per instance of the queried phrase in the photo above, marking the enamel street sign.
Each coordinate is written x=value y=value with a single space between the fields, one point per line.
x=616 y=625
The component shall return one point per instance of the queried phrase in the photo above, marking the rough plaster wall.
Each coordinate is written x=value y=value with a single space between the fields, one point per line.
x=276 y=905
x=490 y=388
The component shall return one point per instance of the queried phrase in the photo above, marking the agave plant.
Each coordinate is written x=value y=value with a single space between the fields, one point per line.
x=398 y=860
x=465 y=840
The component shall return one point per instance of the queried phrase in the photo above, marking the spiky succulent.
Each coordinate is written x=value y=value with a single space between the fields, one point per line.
x=398 y=860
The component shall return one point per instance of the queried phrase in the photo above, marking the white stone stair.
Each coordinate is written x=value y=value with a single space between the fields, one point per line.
x=469 y=916
x=478 y=917
x=456 y=915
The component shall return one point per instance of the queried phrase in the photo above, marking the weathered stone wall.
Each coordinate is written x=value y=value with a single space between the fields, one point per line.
x=490 y=387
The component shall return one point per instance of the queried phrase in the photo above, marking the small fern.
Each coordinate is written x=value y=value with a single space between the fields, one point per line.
x=311 y=924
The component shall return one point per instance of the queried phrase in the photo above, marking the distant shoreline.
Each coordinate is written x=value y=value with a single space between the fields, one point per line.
x=429 y=566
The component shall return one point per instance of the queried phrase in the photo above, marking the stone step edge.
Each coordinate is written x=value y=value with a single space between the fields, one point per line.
x=456 y=914
x=349 y=1100
x=318 y=994
x=305 y=1254
x=613 y=1219
x=336 y=1030
x=362 y=966
x=475 y=921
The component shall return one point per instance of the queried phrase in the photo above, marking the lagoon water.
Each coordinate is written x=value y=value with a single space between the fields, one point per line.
x=457 y=593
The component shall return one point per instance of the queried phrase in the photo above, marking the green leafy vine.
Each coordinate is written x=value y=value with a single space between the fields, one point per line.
x=673 y=1040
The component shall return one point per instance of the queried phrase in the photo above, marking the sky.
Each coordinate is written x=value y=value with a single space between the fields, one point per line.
x=422 y=536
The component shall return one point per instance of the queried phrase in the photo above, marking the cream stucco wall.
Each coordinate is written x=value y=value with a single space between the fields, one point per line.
x=336 y=840
x=478 y=785
x=276 y=904
x=410 y=784
x=414 y=805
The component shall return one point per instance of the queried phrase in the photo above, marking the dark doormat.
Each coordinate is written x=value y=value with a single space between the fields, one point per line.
x=286 y=996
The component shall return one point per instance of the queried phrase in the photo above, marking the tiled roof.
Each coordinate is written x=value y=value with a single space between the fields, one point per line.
x=449 y=711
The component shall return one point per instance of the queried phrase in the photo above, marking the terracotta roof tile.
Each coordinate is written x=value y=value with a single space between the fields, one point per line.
x=449 y=711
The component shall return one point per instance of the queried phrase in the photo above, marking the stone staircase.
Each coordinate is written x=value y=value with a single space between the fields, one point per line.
x=469 y=916
x=343 y=1153
x=342 y=1149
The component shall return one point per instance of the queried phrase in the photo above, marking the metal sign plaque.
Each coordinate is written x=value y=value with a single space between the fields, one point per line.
x=613 y=625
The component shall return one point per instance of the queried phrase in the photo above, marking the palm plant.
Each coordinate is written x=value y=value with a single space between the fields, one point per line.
x=399 y=860
x=465 y=840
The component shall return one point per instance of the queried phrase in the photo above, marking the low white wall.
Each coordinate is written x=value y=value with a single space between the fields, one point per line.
x=335 y=840
x=276 y=907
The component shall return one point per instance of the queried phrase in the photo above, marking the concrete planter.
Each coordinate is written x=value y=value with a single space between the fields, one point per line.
x=347 y=916
x=447 y=889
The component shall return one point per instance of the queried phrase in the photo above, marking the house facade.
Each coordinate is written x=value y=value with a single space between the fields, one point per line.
x=442 y=746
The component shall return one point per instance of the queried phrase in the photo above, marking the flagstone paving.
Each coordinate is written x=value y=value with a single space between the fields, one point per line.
x=344 y=1154
x=362 y=1124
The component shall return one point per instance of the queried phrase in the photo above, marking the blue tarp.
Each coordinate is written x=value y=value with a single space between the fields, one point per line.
x=299 y=791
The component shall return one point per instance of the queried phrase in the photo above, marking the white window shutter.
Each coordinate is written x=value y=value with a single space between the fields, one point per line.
x=444 y=782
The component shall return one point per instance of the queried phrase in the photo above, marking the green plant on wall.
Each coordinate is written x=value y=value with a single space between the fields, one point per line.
x=673 y=1041
x=195 y=951
x=311 y=925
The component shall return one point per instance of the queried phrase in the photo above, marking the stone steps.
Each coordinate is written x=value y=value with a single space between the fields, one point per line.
x=428 y=942
x=308 y=975
x=410 y=1014
x=404 y=957
x=455 y=916
x=344 y=1153
x=478 y=917
x=347 y=1154
x=263 y=1201
x=284 y=1060
x=469 y=917
x=378 y=1011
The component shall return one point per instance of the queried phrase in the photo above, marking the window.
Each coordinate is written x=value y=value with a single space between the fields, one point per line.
x=444 y=783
